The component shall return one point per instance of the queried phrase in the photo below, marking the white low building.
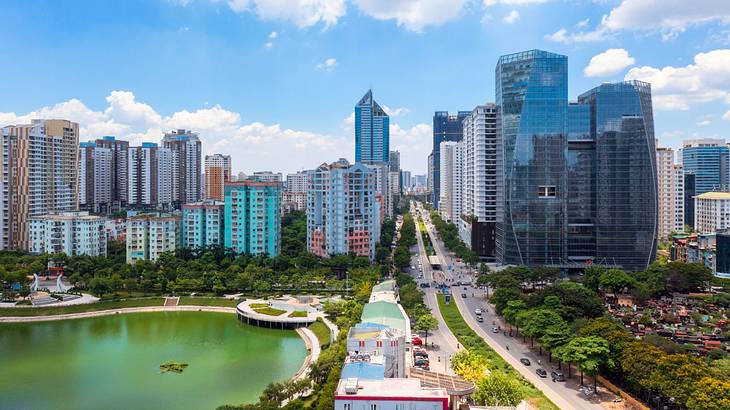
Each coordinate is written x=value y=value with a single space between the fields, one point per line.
x=389 y=394
x=71 y=233
x=712 y=212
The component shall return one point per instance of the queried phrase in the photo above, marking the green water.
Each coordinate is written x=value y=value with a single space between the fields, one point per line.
x=112 y=362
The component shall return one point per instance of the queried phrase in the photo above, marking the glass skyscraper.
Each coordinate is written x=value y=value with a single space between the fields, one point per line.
x=445 y=128
x=708 y=160
x=372 y=131
x=579 y=178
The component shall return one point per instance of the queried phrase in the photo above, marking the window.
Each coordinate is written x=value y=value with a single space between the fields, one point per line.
x=547 y=191
x=347 y=406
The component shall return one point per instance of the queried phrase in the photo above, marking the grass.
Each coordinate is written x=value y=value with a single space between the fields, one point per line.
x=298 y=313
x=321 y=331
x=207 y=301
x=473 y=342
x=270 y=311
x=258 y=305
x=90 y=307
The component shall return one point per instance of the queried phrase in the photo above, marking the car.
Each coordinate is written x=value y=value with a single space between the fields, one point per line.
x=464 y=287
x=421 y=362
x=495 y=329
x=541 y=372
x=480 y=319
x=557 y=376
x=420 y=354
x=424 y=367
x=413 y=267
x=525 y=361
x=478 y=311
x=416 y=341
x=463 y=295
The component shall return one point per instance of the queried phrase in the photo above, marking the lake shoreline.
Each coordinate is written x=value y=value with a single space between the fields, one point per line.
x=109 y=312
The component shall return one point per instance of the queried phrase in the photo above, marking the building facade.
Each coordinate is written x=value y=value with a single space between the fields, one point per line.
x=95 y=178
x=689 y=199
x=252 y=223
x=217 y=173
x=678 y=198
x=712 y=212
x=70 y=233
x=342 y=214
x=186 y=165
x=451 y=180
x=202 y=224
x=296 y=182
x=151 y=177
x=372 y=131
x=708 y=160
x=119 y=169
x=667 y=192
x=40 y=165
x=446 y=127
x=150 y=235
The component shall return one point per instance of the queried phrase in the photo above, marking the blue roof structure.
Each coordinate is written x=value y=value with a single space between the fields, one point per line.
x=363 y=371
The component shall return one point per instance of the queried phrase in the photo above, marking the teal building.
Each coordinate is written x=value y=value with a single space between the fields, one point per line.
x=202 y=224
x=252 y=221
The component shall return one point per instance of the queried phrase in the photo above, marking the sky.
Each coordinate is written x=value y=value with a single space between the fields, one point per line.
x=273 y=83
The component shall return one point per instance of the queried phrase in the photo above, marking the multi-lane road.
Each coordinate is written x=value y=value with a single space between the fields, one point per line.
x=566 y=395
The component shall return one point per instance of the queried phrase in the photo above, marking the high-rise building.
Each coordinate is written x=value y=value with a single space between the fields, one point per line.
x=296 y=182
x=406 y=180
x=666 y=191
x=580 y=179
x=451 y=180
x=186 y=165
x=481 y=167
x=266 y=176
x=202 y=224
x=372 y=131
x=40 y=165
x=252 y=223
x=217 y=173
x=678 y=198
x=689 y=199
x=429 y=174
x=394 y=160
x=151 y=177
x=446 y=127
x=712 y=212
x=150 y=235
x=70 y=233
x=95 y=178
x=708 y=160
x=119 y=169
x=342 y=212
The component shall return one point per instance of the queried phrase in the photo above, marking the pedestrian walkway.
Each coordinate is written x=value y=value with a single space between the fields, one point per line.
x=172 y=301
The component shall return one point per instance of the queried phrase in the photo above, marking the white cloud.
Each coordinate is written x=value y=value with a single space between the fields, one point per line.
x=396 y=112
x=253 y=146
x=414 y=144
x=726 y=116
x=269 y=44
x=512 y=17
x=677 y=88
x=273 y=35
x=303 y=13
x=414 y=15
x=582 y=23
x=488 y=3
x=609 y=62
x=703 y=123
x=562 y=36
x=348 y=124
x=327 y=65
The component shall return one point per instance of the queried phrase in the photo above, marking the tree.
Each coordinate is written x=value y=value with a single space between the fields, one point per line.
x=498 y=389
x=536 y=321
x=555 y=336
x=510 y=312
x=592 y=277
x=426 y=323
x=469 y=365
x=589 y=352
x=616 y=280
x=99 y=286
x=710 y=394
x=502 y=296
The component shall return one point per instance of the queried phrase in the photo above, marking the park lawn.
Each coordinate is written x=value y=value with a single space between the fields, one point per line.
x=207 y=301
x=89 y=307
x=298 y=313
x=321 y=331
x=473 y=342
x=270 y=311
x=258 y=305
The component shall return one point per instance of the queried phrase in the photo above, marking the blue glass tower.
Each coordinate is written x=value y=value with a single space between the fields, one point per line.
x=372 y=131
x=445 y=128
x=708 y=160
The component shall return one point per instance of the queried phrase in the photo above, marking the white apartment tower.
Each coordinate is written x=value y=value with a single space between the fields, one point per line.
x=451 y=180
x=70 y=233
x=151 y=177
x=186 y=165
x=149 y=235
x=666 y=181
x=95 y=177
x=296 y=182
x=678 y=198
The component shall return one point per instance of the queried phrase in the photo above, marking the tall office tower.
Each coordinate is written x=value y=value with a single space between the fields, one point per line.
x=186 y=162
x=666 y=181
x=406 y=180
x=689 y=199
x=429 y=175
x=372 y=131
x=150 y=235
x=202 y=224
x=252 y=222
x=708 y=160
x=481 y=167
x=342 y=212
x=394 y=191
x=622 y=125
x=678 y=198
x=394 y=160
x=580 y=179
x=40 y=163
x=151 y=177
x=445 y=128
x=120 y=163
x=70 y=233
x=296 y=182
x=95 y=178
x=217 y=173
x=451 y=180
x=266 y=176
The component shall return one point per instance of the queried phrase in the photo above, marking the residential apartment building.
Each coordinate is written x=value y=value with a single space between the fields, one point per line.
x=406 y=179
x=40 y=175
x=708 y=160
x=119 y=169
x=296 y=182
x=679 y=178
x=689 y=199
x=267 y=176
x=252 y=222
x=372 y=131
x=343 y=215
x=217 y=173
x=151 y=177
x=446 y=127
x=481 y=166
x=95 y=177
x=430 y=176
x=666 y=192
x=712 y=212
x=150 y=235
x=202 y=224
x=293 y=201
x=186 y=165
x=70 y=233
x=451 y=180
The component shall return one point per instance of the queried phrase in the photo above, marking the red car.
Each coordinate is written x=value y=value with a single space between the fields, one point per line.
x=416 y=341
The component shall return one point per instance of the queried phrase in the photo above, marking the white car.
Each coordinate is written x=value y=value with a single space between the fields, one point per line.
x=478 y=312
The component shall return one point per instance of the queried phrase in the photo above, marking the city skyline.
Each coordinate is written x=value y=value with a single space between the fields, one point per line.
x=163 y=77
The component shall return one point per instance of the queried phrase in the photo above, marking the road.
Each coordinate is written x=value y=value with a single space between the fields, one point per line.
x=564 y=395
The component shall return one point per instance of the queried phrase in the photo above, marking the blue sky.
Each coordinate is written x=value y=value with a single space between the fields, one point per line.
x=274 y=82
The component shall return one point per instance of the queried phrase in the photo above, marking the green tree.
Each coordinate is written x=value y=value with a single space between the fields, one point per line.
x=510 y=312
x=589 y=352
x=615 y=280
x=555 y=336
x=710 y=394
x=498 y=389
x=426 y=323
x=501 y=296
x=470 y=365
x=592 y=277
x=535 y=322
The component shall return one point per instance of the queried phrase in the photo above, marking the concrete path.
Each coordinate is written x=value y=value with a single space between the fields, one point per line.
x=18 y=319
